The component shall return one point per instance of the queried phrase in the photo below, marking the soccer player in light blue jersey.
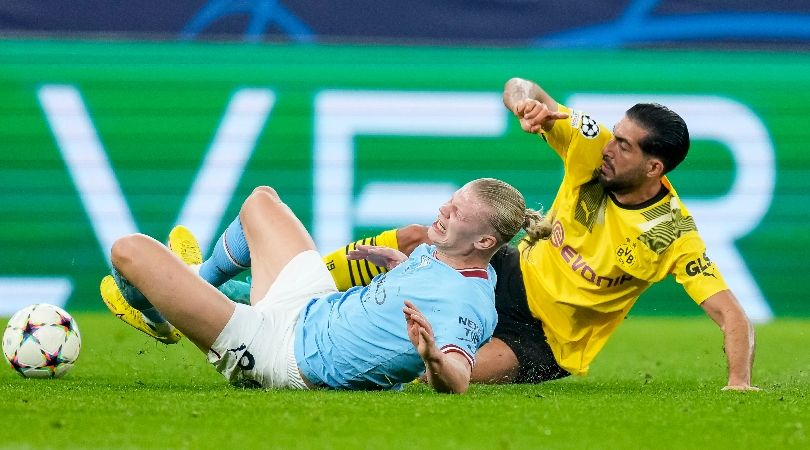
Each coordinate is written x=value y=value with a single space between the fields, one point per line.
x=428 y=315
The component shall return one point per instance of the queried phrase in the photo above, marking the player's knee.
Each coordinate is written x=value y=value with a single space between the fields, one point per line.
x=260 y=197
x=267 y=190
x=262 y=200
x=124 y=250
x=411 y=236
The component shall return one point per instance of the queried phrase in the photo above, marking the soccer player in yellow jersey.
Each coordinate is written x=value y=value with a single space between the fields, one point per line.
x=618 y=226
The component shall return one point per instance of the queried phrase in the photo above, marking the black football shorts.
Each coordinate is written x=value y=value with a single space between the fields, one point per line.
x=521 y=331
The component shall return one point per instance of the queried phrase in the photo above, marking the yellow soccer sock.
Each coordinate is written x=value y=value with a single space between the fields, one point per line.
x=358 y=273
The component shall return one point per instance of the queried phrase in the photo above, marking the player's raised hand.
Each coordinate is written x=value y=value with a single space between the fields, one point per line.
x=379 y=256
x=535 y=116
x=420 y=332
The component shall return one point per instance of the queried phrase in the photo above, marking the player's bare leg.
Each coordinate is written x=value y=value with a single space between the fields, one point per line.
x=274 y=235
x=495 y=363
x=195 y=307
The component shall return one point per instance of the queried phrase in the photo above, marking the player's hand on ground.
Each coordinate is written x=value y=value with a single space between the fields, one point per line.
x=741 y=388
x=420 y=332
x=534 y=115
x=379 y=256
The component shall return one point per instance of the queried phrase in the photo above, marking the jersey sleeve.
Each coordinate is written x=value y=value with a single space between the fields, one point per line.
x=560 y=135
x=694 y=269
x=579 y=141
x=348 y=273
x=465 y=332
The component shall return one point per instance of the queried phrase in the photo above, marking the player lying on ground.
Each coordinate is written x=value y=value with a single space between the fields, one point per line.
x=618 y=227
x=299 y=331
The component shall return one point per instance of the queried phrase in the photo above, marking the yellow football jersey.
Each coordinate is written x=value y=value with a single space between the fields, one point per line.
x=601 y=256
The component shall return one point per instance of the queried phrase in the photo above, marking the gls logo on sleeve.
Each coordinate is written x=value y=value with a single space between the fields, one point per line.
x=700 y=265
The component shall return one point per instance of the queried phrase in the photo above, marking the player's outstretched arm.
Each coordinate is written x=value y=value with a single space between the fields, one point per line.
x=446 y=372
x=379 y=256
x=347 y=274
x=738 y=338
x=535 y=109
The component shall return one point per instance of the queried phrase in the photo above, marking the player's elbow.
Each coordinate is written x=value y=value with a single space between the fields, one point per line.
x=734 y=317
x=452 y=379
x=452 y=388
x=411 y=236
x=509 y=88
x=461 y=388
x=513 y=83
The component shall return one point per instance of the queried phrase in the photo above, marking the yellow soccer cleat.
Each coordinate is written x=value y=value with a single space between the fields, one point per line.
x=163 y=332
x=183 y=244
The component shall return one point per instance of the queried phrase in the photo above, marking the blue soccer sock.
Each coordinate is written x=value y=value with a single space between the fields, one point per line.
x=136 y=299
x=231 y=256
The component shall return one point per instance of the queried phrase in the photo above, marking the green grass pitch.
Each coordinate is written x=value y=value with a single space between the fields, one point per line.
x=656 y=385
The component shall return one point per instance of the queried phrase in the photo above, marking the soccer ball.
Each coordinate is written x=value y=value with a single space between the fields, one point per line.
x=42 y=341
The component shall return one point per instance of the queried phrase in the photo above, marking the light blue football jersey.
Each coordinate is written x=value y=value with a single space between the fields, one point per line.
x=359 y=340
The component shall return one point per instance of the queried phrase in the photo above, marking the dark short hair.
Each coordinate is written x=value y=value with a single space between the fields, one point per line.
x=667 y=138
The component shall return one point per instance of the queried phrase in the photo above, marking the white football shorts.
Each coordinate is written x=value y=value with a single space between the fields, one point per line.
x=256 y=347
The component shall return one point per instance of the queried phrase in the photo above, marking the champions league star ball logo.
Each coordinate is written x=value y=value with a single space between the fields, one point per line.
x=589 y=128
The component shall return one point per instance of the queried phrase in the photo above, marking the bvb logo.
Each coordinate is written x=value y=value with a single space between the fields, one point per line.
x=557 y=234
x=626 y=254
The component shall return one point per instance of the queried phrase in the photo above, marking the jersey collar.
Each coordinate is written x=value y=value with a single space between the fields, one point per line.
x=475 y=272
x=655 y=199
